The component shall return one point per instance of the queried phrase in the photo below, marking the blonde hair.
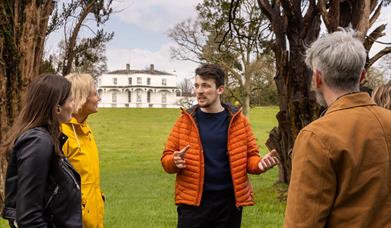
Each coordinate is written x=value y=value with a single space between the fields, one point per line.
x=382 y=95
x=82 y=85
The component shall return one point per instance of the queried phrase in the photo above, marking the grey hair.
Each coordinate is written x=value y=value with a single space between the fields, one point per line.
x=340 y=56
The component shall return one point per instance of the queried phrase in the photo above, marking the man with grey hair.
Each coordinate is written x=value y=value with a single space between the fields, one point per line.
x=341 y=170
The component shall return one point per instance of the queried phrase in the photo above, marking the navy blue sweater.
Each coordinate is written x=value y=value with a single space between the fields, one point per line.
x=213 y=128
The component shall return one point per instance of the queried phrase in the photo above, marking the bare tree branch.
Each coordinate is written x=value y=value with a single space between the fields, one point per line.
x=309 y=17
x=375 y=34
x=376 y=14
x=376 y=57
x=323 y=11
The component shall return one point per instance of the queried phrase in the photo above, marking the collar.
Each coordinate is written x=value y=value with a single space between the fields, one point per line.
x=231 y=109
x=73 y=120
x=350 y=100
x=83 y=126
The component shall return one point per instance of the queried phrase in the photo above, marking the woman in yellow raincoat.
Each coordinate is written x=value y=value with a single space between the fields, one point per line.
x=81 y=150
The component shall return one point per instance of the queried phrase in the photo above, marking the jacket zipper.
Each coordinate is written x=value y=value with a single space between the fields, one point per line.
x=201 y=184
x=229 y=156
x=51 y=197
x=70 y=174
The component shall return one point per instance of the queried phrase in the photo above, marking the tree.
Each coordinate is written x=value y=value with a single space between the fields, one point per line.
x=186 y=87
x=88 y=58
x=264 y=91
x=23 y=28
x=296 y=24
x=238 y=47
x=85 y=53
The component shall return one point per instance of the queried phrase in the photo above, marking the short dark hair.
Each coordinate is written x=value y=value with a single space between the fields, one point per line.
x=211 y=71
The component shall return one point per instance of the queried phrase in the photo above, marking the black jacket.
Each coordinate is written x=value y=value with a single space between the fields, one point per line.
x=41 y=188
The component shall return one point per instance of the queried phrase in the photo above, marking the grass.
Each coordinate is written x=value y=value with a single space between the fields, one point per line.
x=139 y=193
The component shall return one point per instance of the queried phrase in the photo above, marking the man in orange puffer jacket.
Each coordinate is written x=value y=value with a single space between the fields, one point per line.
x=211 y=149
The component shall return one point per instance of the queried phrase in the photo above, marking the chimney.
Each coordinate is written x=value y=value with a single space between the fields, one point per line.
x=152 y=68
x=127 y=66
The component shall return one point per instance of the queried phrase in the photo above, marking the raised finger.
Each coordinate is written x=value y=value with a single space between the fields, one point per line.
x=184 y=149
x=268 y=161
x=261 y=166
x=264 y=164
x=273 y=153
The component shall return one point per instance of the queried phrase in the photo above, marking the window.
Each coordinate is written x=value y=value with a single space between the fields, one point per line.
x=164 y=81
x=149 y=96
x=130 y=81
x=129 y=96
x=115 y=81
x=138 y=94
x=178 y=93
x=164 y=97
x=114 y=96
x=139 y=81
x=148 y=81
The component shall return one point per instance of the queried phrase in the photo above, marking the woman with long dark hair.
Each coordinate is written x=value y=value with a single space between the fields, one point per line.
x=41 y=188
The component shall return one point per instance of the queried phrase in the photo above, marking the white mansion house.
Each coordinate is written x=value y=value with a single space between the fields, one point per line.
x=138 y=88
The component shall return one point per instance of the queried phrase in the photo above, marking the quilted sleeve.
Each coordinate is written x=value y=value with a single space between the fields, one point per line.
x=172 y=145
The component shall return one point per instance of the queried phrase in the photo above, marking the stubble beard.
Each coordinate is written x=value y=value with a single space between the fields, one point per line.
x=320 y=99
x=319 y=96
x=207 y=104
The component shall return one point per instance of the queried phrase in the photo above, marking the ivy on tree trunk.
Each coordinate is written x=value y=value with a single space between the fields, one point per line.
x=23 y=27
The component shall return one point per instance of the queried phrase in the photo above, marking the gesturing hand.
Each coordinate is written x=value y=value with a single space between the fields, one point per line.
x=179 y=157
x=269 y=160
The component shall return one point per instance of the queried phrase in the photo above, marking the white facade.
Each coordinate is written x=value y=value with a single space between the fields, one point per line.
x=138 y=88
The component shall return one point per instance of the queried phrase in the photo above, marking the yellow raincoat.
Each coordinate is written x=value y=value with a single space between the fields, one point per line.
x=81 y=150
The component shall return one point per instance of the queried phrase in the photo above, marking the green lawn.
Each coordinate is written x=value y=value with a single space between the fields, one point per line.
x=139 y=193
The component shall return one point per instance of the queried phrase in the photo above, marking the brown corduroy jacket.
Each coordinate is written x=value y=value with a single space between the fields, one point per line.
x=242 y=152
x=341 y=171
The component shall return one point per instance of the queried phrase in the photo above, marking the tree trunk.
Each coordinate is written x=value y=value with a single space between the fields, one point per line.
x=246 y=106
x=71 y=43
x=23 y=26
x=296 y=102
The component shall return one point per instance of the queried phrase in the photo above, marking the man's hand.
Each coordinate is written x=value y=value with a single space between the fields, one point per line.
x=179 y=157
x=269 y=161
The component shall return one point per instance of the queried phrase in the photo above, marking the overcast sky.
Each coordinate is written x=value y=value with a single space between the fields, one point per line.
x=141 y=28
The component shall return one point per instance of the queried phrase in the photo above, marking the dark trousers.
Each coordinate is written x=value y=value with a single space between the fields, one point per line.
x=217 y=210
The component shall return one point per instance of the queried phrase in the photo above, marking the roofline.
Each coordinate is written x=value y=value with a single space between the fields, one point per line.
x=136 y=86
x=130 y=72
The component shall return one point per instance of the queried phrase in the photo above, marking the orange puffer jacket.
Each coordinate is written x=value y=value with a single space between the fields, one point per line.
x=242 y=150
